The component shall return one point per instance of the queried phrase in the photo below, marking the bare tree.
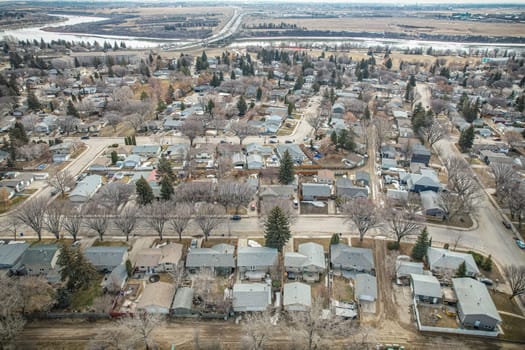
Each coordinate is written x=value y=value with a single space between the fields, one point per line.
x=157 y=215
x=126 y=221
x=72 y=222
x=11 y=225
x=316 y=121
x=242 y=129
x=97 y=218
x=515 y=200
x=32 y=213
x=68 y=124
x=504 y=178
x=114 y=120
x=195 y=191
x=208 y=217
x=438 y=105
x=203 y=282
x=457 y=240
x=37 y=294
x=434 y=133
x=62 y=181
x=191 y=128
x=180 y=218
x=136 y=121
x=141 y=327
x=513 y=138
x=257 y=329
x=234 y=194
x=516 y=277
x=402 y=222
x=114 y=195
x=53 y=218
x=363 y=213
x=11 y=319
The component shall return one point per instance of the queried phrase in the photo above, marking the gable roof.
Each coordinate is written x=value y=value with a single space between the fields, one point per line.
x=183 y=298
x=349 y=257
x=365 y=287
x=87 y=187
x=146 y=149
x=39 y=254
x=250 y=296
x=316 y=189
x=296 y=293
x=406 y=268
x=474 y=298
x=157 y=294
x=105 y=256
x=256 y=256
x=446 y=259
x=220 y=255
x=283 y=191
x=314 y=254
x=293 y=259
x=426 y=285
x=11 y=253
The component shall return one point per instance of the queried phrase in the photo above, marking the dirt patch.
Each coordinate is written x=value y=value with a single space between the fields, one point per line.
x=435 y=316
x=342 y=290
x=503 y=303
x=366 y=243
x=319 y=291
x=513 y=328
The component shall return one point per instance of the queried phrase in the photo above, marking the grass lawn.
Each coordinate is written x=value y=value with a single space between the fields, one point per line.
x=366 y=243
x=99 y=243
x=66 y=241
x=213 y=241
x=82 y=299
x=78 y=151
x=325 y=242
x=503 y=303
x=513 y=327
x=12 y=203
x=341 y=290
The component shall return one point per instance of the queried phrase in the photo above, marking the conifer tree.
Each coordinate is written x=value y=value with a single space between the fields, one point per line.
x=420 y=248
x=286 y=171
x=276 y=229
x=144 y=192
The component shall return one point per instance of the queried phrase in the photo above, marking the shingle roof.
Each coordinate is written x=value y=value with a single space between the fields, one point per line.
x=220 y=255
x=11 y=253
x=443 y=258
x=474 y=298
x=297 y=293
x=349 y=257
x=426 y=285
x=314 y=253
x=183 y=298
x=251 y=295
x=157 y=294
x=105 y=256
x=39 y=254
x=365 y=286
x=256 y=256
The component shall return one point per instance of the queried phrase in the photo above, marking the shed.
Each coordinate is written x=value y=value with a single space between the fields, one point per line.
x=251 y=297
x=297 y=296
x=365 y=287
x=183 y=302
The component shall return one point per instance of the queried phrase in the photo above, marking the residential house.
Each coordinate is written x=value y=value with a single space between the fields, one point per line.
x=430 y=205
x=147 y=150
x=132 y=161
x=387 y=163
x=272 y=123
x=106 y=259
x=182 y=305
x=475 y=306
x=325 y=176
x=254 y=148
x=163 y=259
x=338 y=108
x=346 y=188
x=254 y=161
x=255 y=262
x=219 y=259
x=427 y=180
x=489 y=157
x=397 y=195
x=39 y=260
x=85 y=189
x=309 y=262
x=156 y=298
x=444 y=262
x=362 y=177
x=294 y=150
x=177 y=152
x=420 y=154
x=249 y=297
x=297 y=296
x=271 y=192
x=116 y=280
x=426 y=288
x=346 y=259
x=388 y=151
x=238 y=160
x=315 y=191
x=365 y=287
x=405 y=267
x=10 y=254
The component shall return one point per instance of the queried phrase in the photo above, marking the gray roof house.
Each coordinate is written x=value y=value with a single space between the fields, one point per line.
x=295 y=151
x=115 y=280
x=405 y=268
x=10 y=254
x=85 y=189
x=362 y=177
x=315 y=191
x=346 y=188
x=430 y=204
x=183 y=302
x=309 y=261
x=426 y=288
x=346 y=259
x=420 y=154
x=254 y=148
x=251 y=297
x=297 y=296
x=277 y=191
x=365 y=287
x=132 y=161
x=218 y=258
x=426 y=181
x=256 y=262
x=177 y=152
x=39 y=260
x=446 y=262
x=147 y=150
x=106 y=258
x=475 y=306
x=254 y=161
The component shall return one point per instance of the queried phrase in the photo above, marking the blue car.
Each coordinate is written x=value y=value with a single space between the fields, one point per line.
x=520 y=243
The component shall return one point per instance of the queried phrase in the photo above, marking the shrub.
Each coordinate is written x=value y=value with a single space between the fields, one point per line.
x=129 y=268
x=487 y=264
x=446 y=246
x=478 y=258
x=392 y=246
x=334 y=239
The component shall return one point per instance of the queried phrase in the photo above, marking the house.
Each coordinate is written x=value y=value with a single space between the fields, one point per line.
x=420 y=154
x=251 y=297
x=218 y=259
x=430 y=205
x=345 y=188
x=297 y=296
x=294 y=150
x=17 y=185
x=105 y=259
x=346 y=259
x=316 y=191
x=309 y=261
x=238 y=160
x=388 y=151
x=132 y=161
x=365 y=287
x=276 y=191
x=115 y=280
x=405 y=267
x=325 y=176
x=475 y=306
x=256 y=262
x=387 y=163
x=426 y=288
x=427 y=180
x=156 y=298
x=164 y=259
x=61 y=152
x=489 y=157
x=254 y=148
x=446 y=262
x=177 y=152
x=39 y=260
x=338 y=108
x=147 y=150
x=397 y=195
x=362 y=177
x=10 y=254
x=183 y=302
x=254 y=161
x=85 y=189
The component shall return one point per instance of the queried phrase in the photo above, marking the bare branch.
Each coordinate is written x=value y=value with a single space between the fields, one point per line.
x=62 y=181
x=126 y=221
x=516 y=277
x=32 y=213
x=363 y=213
x=208 y=217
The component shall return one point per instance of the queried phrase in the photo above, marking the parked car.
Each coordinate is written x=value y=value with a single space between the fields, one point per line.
x=507 y=224
x=236 y=217
x=288 y=141
x=486 y=281
x=193 y=243
x=520 y=243
x=273 y=141
x=84 y=137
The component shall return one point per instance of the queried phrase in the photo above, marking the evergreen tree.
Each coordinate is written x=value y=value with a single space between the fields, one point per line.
x=232 y=76
x=333 y=138
x=215 y=81
x=17 y=135
x=461 y=271
x=412 y=81
x=259 y=93
x=133 y=141
x=388 y=63
x=75 y=269
x=334 y=239
x=144 y=96
x=487 y=264
x=144 y=192
x=366 y=114
x=32 y=101
x=286 y=171
x=420 y=248
x=164 y=169
x=242 y=106
x=166 y=189
x=276 y=229
x=114 y=157
x=466 y=139
x=169 y=94
x=72 y=110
